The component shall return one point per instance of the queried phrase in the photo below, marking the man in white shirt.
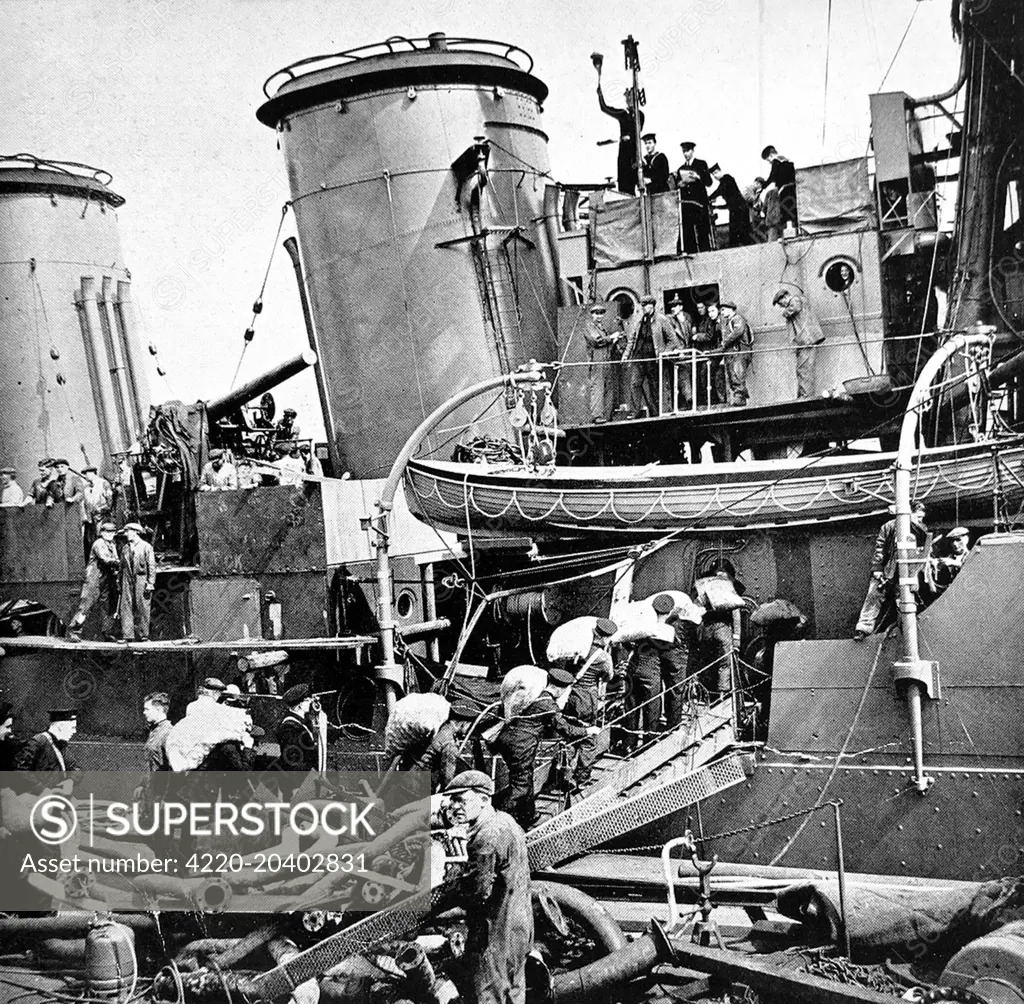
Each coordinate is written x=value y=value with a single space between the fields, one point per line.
x=218 y=474
x=291 y=467
x=11 y=494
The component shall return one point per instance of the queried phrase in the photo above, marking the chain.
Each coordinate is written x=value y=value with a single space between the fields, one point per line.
x=732 y=833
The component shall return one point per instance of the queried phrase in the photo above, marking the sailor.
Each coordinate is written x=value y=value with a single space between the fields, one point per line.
x=98 y=507
x=100 y=585
x=138 y=580
x=646 y=676
x=218 y=474
x=884 y=568
x=739 y=212
x=40 y=490
x=9 y=747
x=521 y=736
x=626 y=182
x=286 y=430
x=602 y=374
x=651 y=335
x=439 y=756
x=806 y=335
x=759 y=222
x=299 y=743
x=737 y=349
x=11 y=494
x=48 y=752
x=655 y=166
x=693 y=178
x=719 y=592
x=781 y=179
x=584 y=702
x=494 y=890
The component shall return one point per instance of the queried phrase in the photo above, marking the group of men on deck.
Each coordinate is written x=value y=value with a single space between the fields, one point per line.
x=761 y=214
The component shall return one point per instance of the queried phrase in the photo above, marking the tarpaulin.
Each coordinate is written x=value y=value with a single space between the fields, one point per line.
x=918 y=917
x=618 y=232
x=835 y=197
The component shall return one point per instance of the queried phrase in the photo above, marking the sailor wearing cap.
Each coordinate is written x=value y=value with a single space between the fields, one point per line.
x=100 y=586
x=299 y=744
x=520 y=738
x=584 y=702
x=605 y=350
x=219 y=474
x=737 y=353
x=655 y=166
x=693 y=178
x=806 y=335
x=48 y=751
x=494 y=890
x=138 y=580
x=438 y=754
x=655 y=663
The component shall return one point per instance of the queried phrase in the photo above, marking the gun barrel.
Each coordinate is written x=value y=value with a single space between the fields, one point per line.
x=218 y=407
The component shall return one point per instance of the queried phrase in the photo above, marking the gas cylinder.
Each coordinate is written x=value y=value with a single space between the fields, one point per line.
x=111 y=968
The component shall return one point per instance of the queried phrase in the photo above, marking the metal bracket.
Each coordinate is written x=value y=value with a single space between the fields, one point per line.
x=924 y=671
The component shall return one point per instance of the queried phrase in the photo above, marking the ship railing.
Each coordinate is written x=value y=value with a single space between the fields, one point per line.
x=69 y=167
x=391 y=46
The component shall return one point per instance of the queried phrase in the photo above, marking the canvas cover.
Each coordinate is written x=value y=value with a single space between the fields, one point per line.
x=835 y=197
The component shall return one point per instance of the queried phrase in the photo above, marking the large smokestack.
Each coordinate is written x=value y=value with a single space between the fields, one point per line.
x=415 y=296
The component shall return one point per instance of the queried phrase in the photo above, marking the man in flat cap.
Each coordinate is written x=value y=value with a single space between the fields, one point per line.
x=739 y=211
x=67 y=486
x=100 y=586
x=655 y=166
x=693 y=179
x=218 y=474
x=11 y=495
x=879 y=598
x=940 y=572
x=40 y=490
x=521 y=736
x=737 y=353
x=138 y=580
x=806 y=335
x=286 y=430
x=494 y=889
x=651 y=334
x=98 y=505
x=48 y=753
x=584 y=702
x=605 y=350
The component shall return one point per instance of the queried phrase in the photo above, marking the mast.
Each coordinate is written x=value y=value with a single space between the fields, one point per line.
x=632 y=53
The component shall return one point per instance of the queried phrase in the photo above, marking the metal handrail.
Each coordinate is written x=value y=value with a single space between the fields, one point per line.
x=510 y=52
x=61 y=166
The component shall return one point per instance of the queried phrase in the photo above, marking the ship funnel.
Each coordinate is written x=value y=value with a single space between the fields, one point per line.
x=72 y=371
x=415 y=293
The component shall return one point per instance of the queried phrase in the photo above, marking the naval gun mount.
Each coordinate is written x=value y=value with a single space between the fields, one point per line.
x=161 y=477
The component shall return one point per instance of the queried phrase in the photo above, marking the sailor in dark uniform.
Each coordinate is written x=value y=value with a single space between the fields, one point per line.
x=48 y=752
x=584 y=702
x=8 y=745
x=783 y=180
x=439 y=756
x=299 y=743
x=521 y=737
x=739 y=211
x=655 y=166
x=694 y=178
